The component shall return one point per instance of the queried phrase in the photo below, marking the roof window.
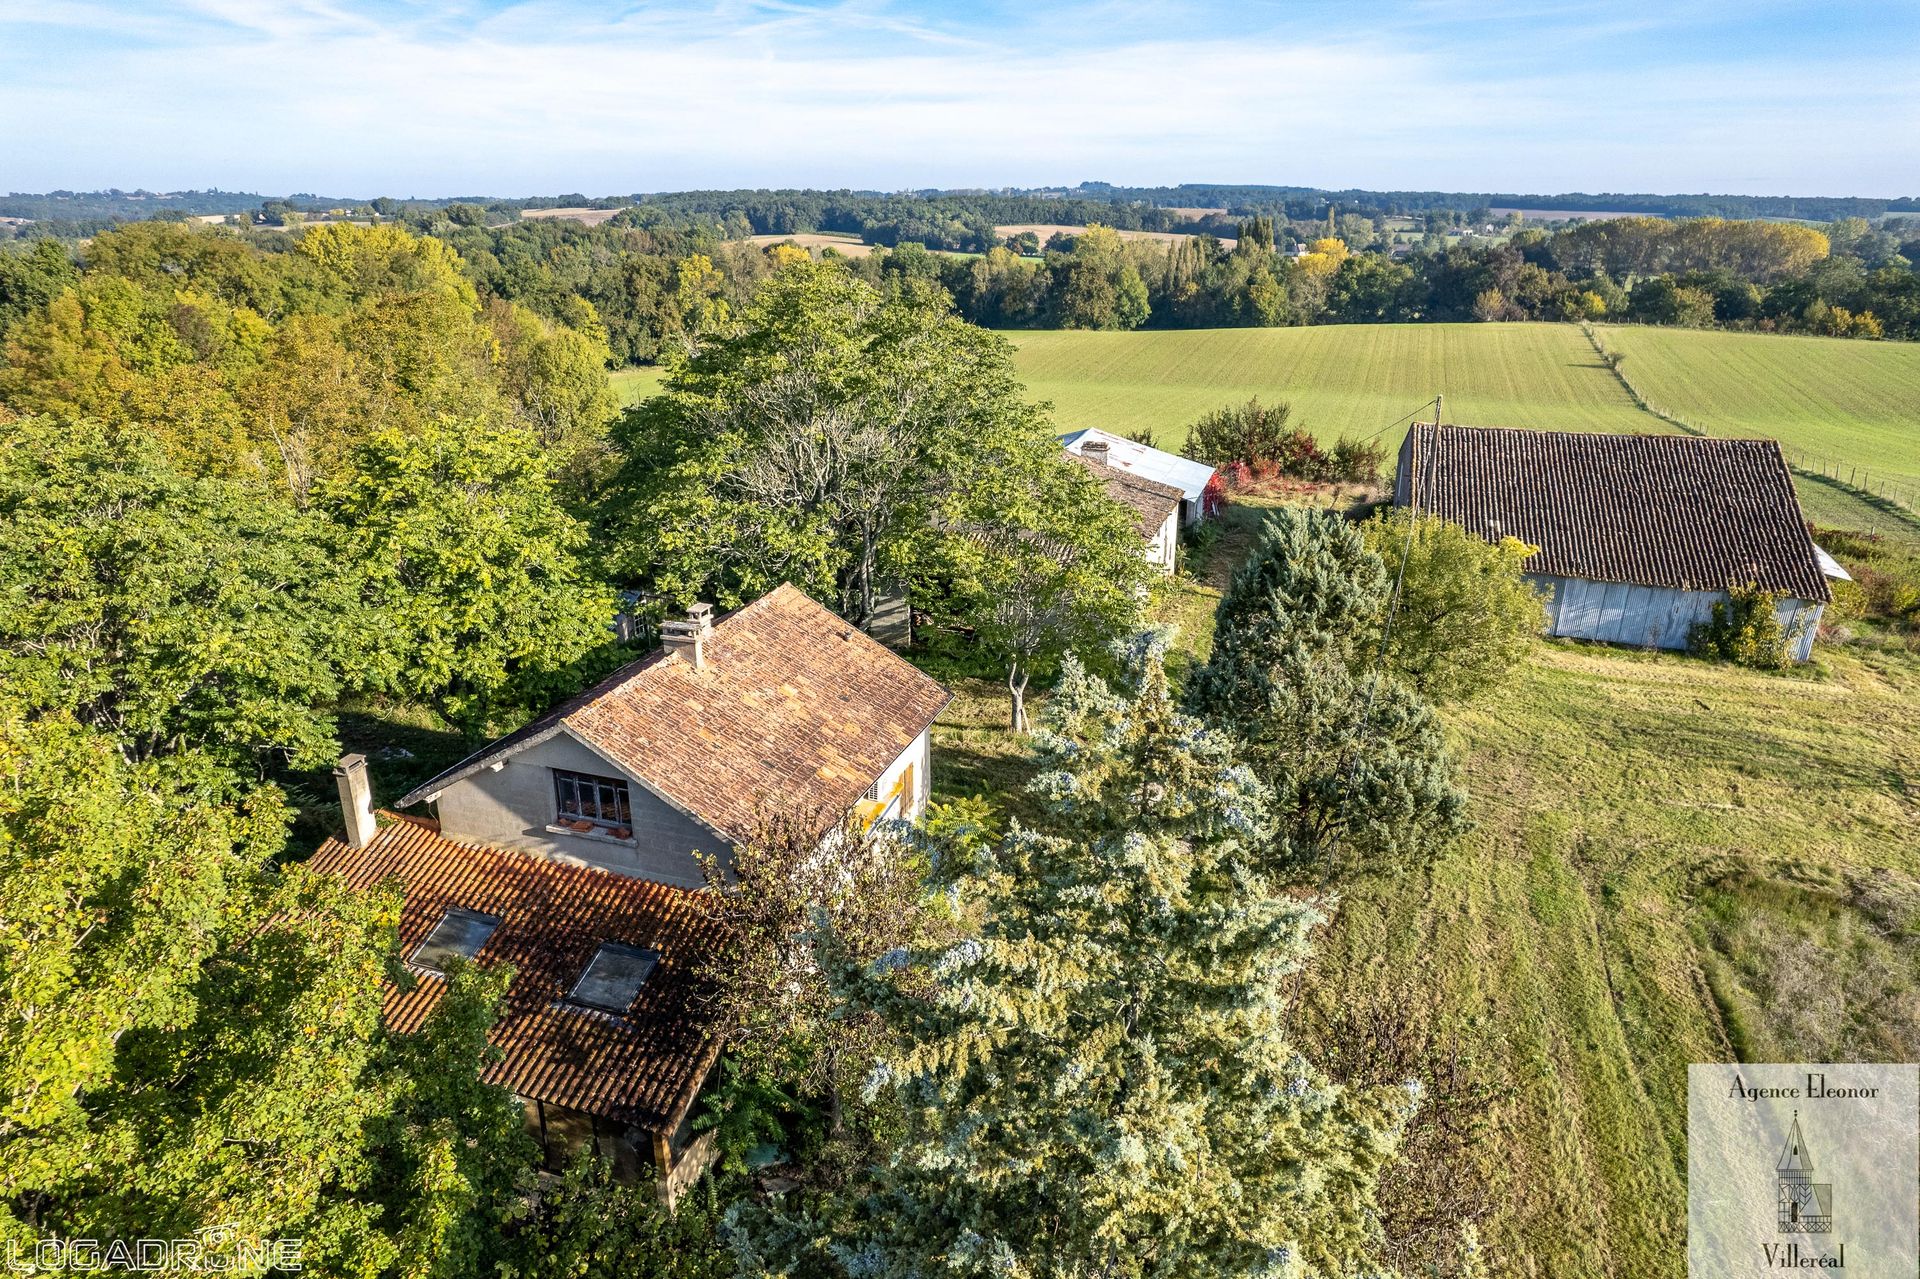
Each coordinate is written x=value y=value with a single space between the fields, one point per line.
x=459 y=933
x=613 y=977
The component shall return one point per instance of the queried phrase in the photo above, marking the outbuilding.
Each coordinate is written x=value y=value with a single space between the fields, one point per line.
x=1638 y=535
x=1149 y=463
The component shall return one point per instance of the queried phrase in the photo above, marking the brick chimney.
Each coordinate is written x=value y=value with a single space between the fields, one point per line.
x=1095 y=451
x=356 y=799
x=689 y=638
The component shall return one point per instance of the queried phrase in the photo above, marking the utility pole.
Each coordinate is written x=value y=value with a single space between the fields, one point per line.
x=1439 y=402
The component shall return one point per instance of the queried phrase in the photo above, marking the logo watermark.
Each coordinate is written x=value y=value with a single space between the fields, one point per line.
x=212 y=1250
x=1803 y=1169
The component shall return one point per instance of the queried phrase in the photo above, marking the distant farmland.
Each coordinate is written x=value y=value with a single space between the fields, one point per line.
x=1340 y=379
x=592 y=217
x=1047 y=230
x=1852 y=401
x=814 y=241
x=1857 y=401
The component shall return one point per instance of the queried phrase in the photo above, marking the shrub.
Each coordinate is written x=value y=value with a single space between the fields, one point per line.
x=1255 y=442
x=1467 y=613
x=1253 y=433
x=1359 y=460
x=1745 y=629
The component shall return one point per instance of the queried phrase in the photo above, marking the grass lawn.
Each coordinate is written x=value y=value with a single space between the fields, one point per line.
x=633 y=385
x=1668 y=854
x=1615 y=793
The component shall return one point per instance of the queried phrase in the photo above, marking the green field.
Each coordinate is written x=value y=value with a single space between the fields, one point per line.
x=1848 y=404
x=1340 y=379
x=1855 y=401
x=635 y=385
x=1670 y=858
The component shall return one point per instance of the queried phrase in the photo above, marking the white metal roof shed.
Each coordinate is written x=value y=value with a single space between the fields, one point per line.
x=1185 y=474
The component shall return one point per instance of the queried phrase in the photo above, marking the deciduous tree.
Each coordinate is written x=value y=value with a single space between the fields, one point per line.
x=1466 y=616
x=473 y=575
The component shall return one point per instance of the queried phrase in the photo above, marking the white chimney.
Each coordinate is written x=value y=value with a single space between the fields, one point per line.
x=1095 y=451
x=356 y=799
x=689 y=638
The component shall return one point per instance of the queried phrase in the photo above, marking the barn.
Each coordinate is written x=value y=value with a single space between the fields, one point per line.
x=1639 y=535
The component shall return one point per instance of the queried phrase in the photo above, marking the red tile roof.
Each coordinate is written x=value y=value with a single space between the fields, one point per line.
x=795 y=712
x=644 y=1068
x=1678 y=511
x=1151 y=500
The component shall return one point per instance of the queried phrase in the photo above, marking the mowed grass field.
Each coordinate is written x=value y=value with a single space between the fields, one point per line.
x=1340 y=379
x=1673 y=862
x=1857 y=401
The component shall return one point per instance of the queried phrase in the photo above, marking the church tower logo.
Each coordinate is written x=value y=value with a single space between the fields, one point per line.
x=1806 y=1206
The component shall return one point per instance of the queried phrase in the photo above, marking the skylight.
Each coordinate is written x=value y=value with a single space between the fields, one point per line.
x=614 y=977
x=459 y=932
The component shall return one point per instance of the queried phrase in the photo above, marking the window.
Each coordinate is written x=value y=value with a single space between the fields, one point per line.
x=459 y=932
x=614 y=977
x=580 y=797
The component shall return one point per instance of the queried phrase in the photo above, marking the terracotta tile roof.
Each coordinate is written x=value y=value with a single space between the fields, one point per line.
x=795 y=712
x=1151 y=500
x=644 y=1068
x=1678 y=511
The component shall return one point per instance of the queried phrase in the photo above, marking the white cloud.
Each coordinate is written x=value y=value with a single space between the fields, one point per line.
x=320 y=96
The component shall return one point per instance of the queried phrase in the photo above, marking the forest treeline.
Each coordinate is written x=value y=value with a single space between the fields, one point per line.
x=633 y=288
x=1087 y=202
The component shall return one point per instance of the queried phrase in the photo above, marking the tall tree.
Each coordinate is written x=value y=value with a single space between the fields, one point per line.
x=1101 y=1081
x=1357 y=762
x=810 y=444
x=173 y=613
x=471 y=568
x=1096 y=285
x=190 y=1037
x=1037 y=562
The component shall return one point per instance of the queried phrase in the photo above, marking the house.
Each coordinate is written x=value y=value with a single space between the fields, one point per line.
x=600 y=1035
x=1639 y=535
x=1156 y=506
x=779 y=709
x=571 y=849
x=1147 y=462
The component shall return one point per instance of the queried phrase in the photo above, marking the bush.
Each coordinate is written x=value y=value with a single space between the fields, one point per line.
x=1467 y=613
x=1253 y=434
x=1255 y=442
x=1745 y=629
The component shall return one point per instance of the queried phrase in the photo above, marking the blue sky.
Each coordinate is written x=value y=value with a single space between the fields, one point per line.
x=412 y=97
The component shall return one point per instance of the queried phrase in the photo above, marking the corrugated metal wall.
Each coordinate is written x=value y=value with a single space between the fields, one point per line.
x=1651 y=616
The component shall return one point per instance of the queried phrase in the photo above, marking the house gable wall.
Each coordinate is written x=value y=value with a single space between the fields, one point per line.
x=512 y=807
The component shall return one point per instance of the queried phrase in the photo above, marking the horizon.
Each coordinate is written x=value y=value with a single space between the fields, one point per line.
x=438 y=100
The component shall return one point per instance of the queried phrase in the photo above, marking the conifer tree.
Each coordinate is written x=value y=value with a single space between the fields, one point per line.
x=1356 y=761
x=1101 y=1081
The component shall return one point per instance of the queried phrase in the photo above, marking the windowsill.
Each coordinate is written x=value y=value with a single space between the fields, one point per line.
x=597 y=836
